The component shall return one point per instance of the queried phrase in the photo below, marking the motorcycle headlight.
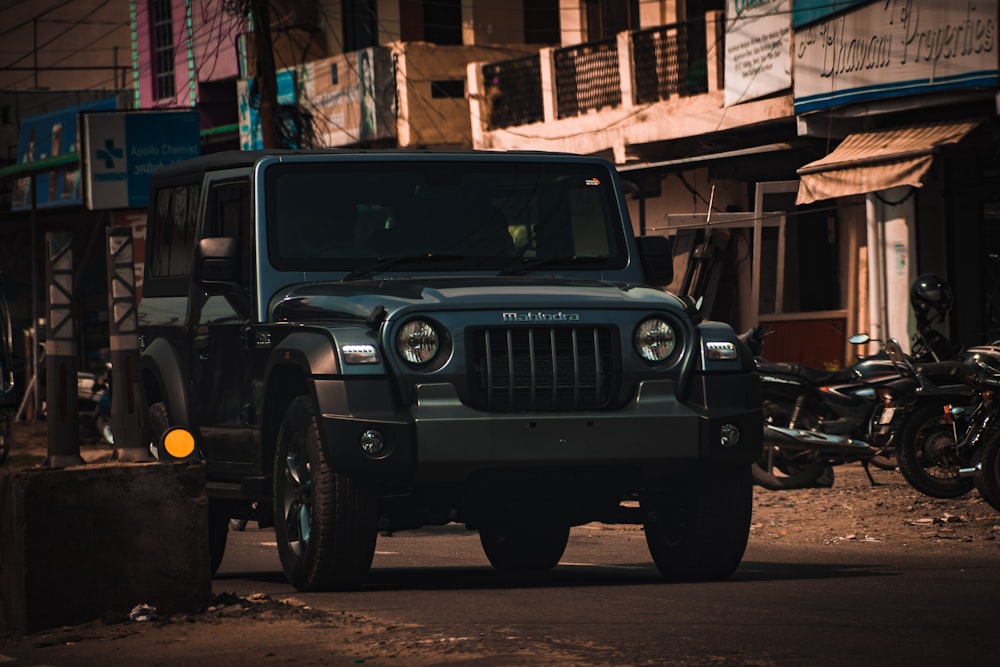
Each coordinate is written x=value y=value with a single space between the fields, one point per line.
x=654 y=340
x=418 y=342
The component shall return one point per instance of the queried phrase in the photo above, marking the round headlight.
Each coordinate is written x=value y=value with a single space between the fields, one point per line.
x=654 y=340
x=418 y=342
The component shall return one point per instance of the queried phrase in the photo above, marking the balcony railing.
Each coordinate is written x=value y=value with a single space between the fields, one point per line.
x=669 y=60
x=665 y=61
x=513 y=91
x=587 y=78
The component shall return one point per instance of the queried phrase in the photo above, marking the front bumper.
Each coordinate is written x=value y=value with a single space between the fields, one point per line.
x=440 y=440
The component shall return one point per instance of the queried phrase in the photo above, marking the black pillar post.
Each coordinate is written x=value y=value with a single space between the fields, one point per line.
x=61 y=365
x=126 y=418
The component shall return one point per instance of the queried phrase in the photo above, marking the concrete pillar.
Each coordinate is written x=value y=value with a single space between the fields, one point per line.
x=123 y=330
x=547 y=62
x=61 y=364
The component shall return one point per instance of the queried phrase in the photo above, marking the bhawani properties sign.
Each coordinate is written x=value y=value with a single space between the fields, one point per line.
x=894 y=48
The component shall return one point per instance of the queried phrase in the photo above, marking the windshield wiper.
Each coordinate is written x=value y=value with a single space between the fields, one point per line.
x=383 y=263
x=522 y=264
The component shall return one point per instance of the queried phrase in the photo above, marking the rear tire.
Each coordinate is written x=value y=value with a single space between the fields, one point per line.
x=927 y=455
x=531 y=548
x=325 y=521
x=158 y=423
x=987 y=480
x=700 y=530
x=777 y=472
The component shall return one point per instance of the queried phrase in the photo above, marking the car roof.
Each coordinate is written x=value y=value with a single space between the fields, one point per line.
x=196 y=167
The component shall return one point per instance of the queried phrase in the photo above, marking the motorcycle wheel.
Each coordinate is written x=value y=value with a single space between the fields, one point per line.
x=927 y=454
x=986 y=459
x=5 y=420
x=778 y=472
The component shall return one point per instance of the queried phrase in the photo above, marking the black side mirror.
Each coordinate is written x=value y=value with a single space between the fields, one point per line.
x=657 y=256
x=218 y=266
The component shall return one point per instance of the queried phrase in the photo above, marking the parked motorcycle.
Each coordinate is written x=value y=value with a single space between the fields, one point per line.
x=982 y=438
x=928 y=413
x=93 y=397
x=814 y=419
x=7 y=398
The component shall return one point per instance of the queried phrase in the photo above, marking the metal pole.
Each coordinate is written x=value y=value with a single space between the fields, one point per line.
x=63 y=412
x=126 y=419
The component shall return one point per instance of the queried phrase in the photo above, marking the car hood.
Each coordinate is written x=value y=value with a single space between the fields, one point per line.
x=357 y=300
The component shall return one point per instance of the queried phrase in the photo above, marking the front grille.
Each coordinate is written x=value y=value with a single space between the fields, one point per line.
x=542 y=368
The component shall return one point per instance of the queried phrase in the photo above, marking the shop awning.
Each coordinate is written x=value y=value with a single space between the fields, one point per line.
x=872 y=161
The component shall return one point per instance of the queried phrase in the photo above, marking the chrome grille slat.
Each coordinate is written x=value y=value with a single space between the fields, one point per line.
x=541 y=368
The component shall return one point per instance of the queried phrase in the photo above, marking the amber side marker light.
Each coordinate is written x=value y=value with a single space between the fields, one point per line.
x=178 y=443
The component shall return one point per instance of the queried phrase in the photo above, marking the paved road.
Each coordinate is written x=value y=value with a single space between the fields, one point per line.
x=851 y=603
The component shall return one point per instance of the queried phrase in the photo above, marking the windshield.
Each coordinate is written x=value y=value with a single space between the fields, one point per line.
x=369 y=216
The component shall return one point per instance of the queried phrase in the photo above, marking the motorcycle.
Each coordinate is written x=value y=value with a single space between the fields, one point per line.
x=982 y=438
x=815 y=419
x=930 y=419
x=93 y=391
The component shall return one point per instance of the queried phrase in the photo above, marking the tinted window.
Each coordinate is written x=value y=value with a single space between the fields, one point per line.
x=173 y=231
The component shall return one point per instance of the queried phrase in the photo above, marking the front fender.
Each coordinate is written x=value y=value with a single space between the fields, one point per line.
x=162 y=376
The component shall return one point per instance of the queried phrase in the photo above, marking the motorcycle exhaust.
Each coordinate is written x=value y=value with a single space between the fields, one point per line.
x=821 y=443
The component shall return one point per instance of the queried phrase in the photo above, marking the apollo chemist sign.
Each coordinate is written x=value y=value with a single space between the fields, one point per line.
x=121 y=150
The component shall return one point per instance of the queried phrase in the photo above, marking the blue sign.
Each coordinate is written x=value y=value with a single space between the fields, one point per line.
x=124 y=149
x=805 y=12
x=50 y=135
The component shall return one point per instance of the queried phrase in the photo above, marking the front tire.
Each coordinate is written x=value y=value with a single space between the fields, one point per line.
x=987 y=479
x=325 y=521
x=699 y=531
x=527 y=548
x=927 y=454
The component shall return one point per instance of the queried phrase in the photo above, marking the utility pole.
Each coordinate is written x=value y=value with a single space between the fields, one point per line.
x=265 y=75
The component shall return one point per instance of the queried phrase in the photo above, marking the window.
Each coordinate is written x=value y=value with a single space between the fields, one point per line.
x=360 y=19
x=607 y=18
x=176 y=218
x=541 y=22
x=162 y=40
x=443 y=21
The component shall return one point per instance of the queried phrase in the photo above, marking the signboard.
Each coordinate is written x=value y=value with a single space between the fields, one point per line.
x=349 y=99
x=807 y=11
x=758 y=48
x=51 y=135
x=895 y=48
x=250 y=138
x=123 y=149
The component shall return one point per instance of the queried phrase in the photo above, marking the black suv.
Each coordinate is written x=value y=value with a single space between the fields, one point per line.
x=382 y=340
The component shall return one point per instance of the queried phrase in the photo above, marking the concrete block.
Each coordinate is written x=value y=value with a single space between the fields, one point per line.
x=79 y=542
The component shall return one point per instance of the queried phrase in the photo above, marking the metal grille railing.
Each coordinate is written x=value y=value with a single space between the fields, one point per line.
x=542 y=368
x=670 y=60
x=512 y=91
x=587 y=77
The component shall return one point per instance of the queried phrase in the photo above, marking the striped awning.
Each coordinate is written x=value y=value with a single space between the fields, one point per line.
x=872 y=161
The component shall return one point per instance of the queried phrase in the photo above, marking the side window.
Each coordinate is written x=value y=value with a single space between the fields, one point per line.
x=228 y=214
x=176 y=216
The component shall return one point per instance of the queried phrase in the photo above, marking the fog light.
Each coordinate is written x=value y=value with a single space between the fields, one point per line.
x=178 y=443
x=371 y=442
x=729 y=435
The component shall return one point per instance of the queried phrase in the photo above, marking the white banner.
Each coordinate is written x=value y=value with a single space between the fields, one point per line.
x=758 y=48
x=894 y=48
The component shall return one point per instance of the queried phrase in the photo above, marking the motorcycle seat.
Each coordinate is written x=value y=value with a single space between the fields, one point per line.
x=814 y=376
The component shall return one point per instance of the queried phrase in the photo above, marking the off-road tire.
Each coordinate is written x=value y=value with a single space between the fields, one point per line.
x=698 y=530
x=927 y=457
x=325 y=522
x=524 y=548
x=987 y=480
